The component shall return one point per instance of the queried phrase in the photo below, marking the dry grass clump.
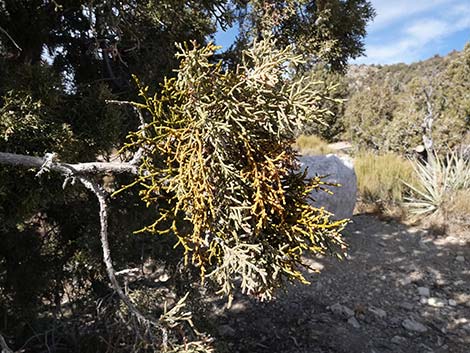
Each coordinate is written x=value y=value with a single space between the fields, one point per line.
x=312 y=145
x=380 y=177
x=460 y=203
x=457 y=211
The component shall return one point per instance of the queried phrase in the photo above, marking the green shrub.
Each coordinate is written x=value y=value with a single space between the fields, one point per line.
x=438 y=181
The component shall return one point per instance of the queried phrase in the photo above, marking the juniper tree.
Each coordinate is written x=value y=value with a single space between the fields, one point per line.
x=216 y=166
x=61 y=62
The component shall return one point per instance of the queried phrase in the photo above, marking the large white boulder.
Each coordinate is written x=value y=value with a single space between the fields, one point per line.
x=338 y=170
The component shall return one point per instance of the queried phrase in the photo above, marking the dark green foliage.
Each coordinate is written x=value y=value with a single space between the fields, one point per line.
x=325 y=31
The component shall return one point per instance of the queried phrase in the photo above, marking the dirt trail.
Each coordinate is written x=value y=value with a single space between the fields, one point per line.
x=401 y=290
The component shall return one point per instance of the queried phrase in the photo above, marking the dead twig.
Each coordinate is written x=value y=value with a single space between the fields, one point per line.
x=4 y=346
x=10 y=38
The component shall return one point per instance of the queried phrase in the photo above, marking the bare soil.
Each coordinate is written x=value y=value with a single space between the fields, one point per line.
x=402 y=289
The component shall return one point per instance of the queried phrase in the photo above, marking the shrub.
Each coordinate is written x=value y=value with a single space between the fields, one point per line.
x=312 y=145
x=380 y=177
x=438 y=181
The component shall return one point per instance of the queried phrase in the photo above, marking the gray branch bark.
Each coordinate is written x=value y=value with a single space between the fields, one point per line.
x=101 y=196
x=66 y=168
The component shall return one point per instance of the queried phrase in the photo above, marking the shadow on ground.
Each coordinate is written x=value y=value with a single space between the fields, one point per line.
x=401 y=290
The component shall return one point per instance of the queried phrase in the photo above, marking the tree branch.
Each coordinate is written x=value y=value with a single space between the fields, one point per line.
x=82 y=172
x=4 y=346
x=66 y=168
x=10 y=38
x=101 y=196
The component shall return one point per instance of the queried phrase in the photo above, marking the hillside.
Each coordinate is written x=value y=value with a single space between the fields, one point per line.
x=386 y=105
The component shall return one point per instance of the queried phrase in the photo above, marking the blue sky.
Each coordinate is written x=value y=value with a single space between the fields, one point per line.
x=407 y=30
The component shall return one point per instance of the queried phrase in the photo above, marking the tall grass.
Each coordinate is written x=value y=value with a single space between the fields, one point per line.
x=312 y=145
x=380 y=177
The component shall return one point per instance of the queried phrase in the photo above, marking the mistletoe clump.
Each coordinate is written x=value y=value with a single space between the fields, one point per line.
x=219 y=168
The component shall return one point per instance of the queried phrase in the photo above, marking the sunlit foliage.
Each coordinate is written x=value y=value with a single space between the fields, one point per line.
x=221 y=174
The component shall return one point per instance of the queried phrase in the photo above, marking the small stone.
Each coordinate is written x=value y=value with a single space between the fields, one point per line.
x=398 y=340
x=460 y=258
x=402 y=249
x=341 y=310
x=406 y=281
x=423 y=245
x=226 y=331
x=164 y=277
x=353 y=322
x=452 y=302
x=378 y=312
x=425 y=348
x=424 y=291
x=407 y=306
x=436 y=302
x=412 y=325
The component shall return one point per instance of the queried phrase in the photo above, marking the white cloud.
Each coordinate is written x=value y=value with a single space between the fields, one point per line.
x=415 y=27
x=389 y=11
x=426 y=30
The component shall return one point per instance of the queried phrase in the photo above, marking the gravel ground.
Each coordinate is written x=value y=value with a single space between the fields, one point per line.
x=402 y=290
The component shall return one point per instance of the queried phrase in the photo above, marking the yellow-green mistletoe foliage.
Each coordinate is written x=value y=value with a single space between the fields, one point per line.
x=219 y=168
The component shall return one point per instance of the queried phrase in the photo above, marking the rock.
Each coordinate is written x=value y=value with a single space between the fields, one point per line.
x=424 y=291
x=405 y=281
x=341 y=310
x=407 y=306
x=460 y=258
x=412 y=325
x=426 y=349
x=436 y=302
x=337 y=169
x=353 y=322
x=398 y=340
x=452 y=302
x=378 y=312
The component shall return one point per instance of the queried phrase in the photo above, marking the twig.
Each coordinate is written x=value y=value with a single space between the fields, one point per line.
x=10 y=38
x=140 y=152
x=4 y=346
